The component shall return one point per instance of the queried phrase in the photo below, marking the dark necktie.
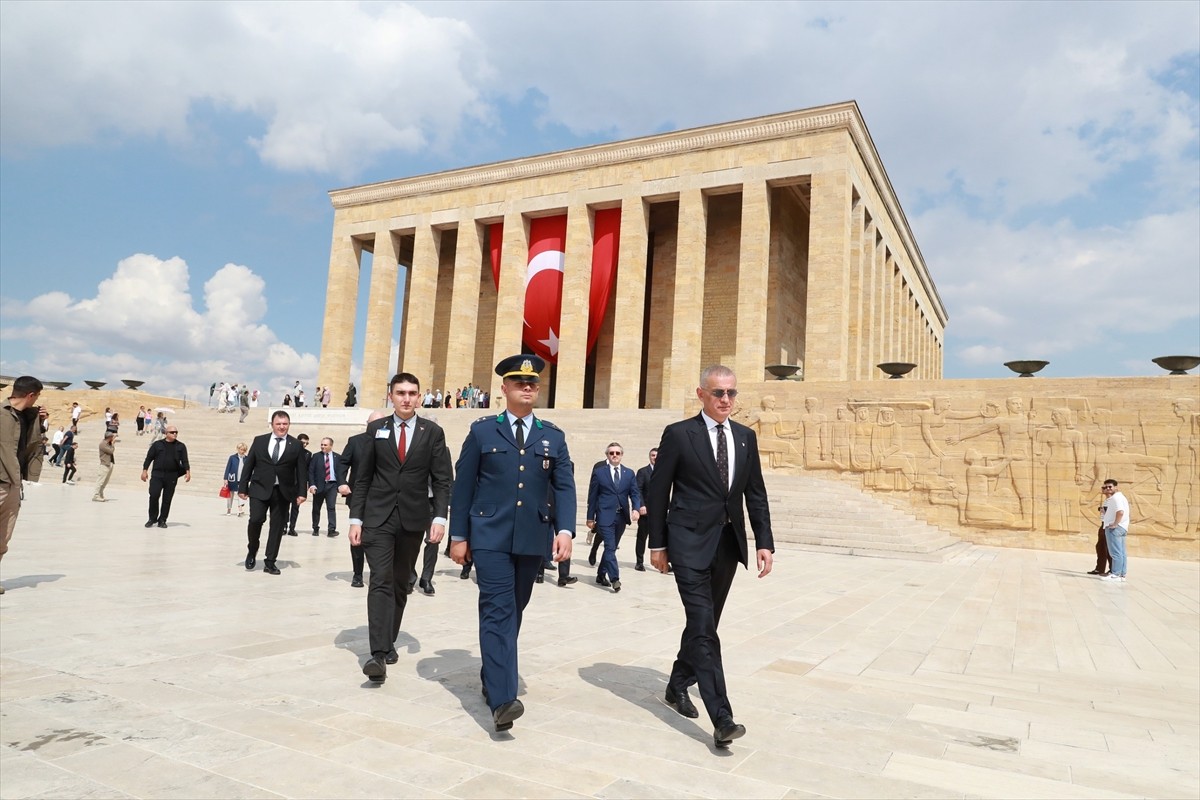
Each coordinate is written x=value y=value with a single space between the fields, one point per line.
x=275 y=451
x=520 y=433
x=328 y=468
x=722 y=457
x=402 y=448
x=616 y=476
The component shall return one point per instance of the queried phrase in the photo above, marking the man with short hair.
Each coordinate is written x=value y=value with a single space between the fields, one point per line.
x=1116 y=526
x=352 y=456
x=323 y=471
x=305 y=459
x=643 y=530
x=613 y=503
x=707 y=478
x=107 y=459
x=274 y=479
x=390 y=510
x=20 y=434
x=514 y=504
x=169 y=458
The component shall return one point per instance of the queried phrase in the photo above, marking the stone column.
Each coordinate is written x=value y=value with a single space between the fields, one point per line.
x=688 y=317
x=464 y=302
x=825 y=340
x=629 y=313
x=341 y=305
x=857 y=301
x=381 y=317
x=576 y=295
x=881 y=297
x=870 y=288
x=753 y=276
x=422 y=286
x=510 y=298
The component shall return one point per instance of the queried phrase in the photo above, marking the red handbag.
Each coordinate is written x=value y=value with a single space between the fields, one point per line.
x=225 y=490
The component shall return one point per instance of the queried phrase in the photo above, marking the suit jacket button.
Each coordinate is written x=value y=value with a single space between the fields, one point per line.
x=521 y=468
x=520 y=486
x=518 y=502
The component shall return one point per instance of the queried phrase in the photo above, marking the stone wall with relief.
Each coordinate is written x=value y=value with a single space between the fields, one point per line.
x=1015 y=462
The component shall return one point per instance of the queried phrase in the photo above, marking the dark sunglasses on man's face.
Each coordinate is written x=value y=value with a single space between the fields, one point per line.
x=614 y=452
x=719 y=393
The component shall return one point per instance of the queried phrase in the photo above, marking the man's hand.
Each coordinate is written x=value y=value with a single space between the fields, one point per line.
x=312 y=490
x=243 y=495
x=633 y=516
x=765 y=560
x=355 y=535
x=344 y=490
x=460 y=552
x=642 y=511
x=145 y=476
x=300 y=500
x=562 y=547
x=436 y=532
x=187 y=476
x=591 y=523
x=660 y=561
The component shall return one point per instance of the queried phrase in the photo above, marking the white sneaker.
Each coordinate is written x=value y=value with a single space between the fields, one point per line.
x=1112 y=576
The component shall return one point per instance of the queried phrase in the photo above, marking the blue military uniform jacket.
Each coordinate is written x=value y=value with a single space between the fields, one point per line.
x=511 y=500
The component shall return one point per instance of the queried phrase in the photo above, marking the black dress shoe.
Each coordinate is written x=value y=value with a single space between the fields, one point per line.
x=506 y=713
x=250 y=562
x=151 y=524
x=425 y=586
x=270 y=569
x=485 y=695
x=316 y=531
x=292 y=532
x=683 y=704
x=592 y=558
x=541 y=578
x=375 y=670
x=392 y=657
x=356 y=582
x=162 y=524
x=332 y=534
x=603 y=581
x=640 y=567
x=1094 y=572
x=726 y=731
x=616 y=586
x=567 y=581
x=466 y=572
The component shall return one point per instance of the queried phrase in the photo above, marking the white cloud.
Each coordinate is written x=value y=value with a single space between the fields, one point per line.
x=337 y=84
x=142 y=325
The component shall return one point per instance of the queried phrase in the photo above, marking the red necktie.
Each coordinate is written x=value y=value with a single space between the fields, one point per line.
x=328 y=471
x=403 y=441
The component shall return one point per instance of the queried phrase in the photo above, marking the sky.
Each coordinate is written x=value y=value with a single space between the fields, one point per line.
x=164 y=167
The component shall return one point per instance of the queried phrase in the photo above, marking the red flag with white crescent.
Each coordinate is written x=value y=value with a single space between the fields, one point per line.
x=543 y=285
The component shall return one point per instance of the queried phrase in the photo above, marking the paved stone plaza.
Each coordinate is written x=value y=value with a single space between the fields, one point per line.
x=149 y=663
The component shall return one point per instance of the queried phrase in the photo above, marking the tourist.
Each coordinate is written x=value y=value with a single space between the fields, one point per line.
x=244 y=404
x=169 y=458
x=1116 y=527
x=107 y=460
x=326 y=397
x=17 y=461
x=233 y=479
x=56 y=443
x=140 y=420
x=69 y=463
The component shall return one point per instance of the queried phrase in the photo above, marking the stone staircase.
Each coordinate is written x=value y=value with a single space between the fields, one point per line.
x=807 y=512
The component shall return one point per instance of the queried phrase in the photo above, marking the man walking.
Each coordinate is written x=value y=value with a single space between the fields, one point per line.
x=323 y=472
x=1116 y=526
x=351 y=459
x=20 y=434
x=169 y=457
x=305 y=461
x=390 y=510
x=107 y=452
x=643 y=531
x=514 y=504
x=613 y=501
x=274 y=479
x=707 y=469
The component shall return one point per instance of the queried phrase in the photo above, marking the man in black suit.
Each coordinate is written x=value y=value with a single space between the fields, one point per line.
x=324 y=469
x=643 y=531
x=306 y=459
x=274 y=479
x=390 y=510
x=707 y=468
x=351 y=458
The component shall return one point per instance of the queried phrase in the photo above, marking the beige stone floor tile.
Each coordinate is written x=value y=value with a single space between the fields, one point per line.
x=27 y=776
x=635 y=790
x=1142 y=783
x=283 y=730
x=489 y=786
x=989 y=782
x=1000 y=756
x=1059 y=733
x=815 y=778
x=977 y=723
x=288 y=773
x=37 y=733
x=421 y=769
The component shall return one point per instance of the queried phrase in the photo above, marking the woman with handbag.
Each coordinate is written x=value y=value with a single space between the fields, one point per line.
x=233 y=476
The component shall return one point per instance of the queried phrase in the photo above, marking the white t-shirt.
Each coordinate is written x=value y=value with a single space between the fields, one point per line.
x=1116 y=502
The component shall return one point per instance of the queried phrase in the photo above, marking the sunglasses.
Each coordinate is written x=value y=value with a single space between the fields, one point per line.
x=614 y=453
x=719 y=393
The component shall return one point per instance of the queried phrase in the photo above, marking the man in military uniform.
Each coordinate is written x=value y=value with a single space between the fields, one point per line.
x=513 y=505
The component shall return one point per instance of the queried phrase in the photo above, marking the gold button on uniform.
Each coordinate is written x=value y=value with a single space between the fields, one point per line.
x=520 y=486
x=521 y=468
x=518 y=502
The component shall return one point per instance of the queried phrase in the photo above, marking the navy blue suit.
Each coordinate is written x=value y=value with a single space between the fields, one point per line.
x=608 y=506
x=326 y=490
x=507 y=504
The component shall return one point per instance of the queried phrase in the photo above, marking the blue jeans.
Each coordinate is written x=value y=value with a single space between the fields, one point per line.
x=1116 y=548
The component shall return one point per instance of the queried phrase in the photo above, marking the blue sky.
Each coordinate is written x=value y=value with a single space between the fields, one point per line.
x=164 y=167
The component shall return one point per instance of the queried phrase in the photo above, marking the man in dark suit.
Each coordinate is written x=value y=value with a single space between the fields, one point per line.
x=274 y=479
x=390 y=510
x=324 y=470
x=613 y=503
x=306 y=459
x=514 y=505
x=643 y=531
x=707 y=478
x=350 y=460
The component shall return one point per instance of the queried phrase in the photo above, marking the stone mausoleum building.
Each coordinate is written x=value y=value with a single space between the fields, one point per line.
x=774 y=240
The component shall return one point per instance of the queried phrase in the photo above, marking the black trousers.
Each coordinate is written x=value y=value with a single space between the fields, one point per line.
x=703 y=592
x=1103 y=559
x=429 y=558
x=643 y=534
x=163 y=488
x=328 y=498
x=391 y=554
x=277 y=505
